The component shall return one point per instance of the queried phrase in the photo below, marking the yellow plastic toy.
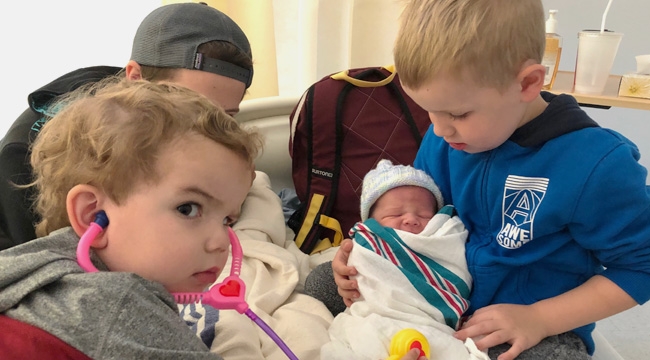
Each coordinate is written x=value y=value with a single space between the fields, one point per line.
x=405 y=340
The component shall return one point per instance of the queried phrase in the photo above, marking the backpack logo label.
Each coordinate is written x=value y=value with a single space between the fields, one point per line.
x=522 y=197
x=322 y=173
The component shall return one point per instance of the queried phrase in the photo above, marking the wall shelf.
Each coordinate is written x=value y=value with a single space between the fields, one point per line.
x=564 y=85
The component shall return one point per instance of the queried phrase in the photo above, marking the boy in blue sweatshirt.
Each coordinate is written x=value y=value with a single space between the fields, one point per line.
x=557 y=207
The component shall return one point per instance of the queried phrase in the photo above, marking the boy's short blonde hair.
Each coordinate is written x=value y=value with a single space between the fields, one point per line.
x=487 y=40
x=110 y=135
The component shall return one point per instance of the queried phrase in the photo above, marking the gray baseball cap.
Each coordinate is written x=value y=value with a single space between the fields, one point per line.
x=171 y=34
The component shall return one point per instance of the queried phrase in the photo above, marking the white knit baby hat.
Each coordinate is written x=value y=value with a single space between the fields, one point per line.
x=387 y=176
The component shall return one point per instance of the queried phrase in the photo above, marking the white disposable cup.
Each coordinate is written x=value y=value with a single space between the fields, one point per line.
x=596 y=53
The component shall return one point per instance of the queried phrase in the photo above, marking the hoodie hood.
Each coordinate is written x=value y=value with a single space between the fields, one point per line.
x=562 y=116
x=40 y=99
x=34 y=265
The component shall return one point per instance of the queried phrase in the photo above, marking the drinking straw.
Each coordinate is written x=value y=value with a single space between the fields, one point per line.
x=602 y=24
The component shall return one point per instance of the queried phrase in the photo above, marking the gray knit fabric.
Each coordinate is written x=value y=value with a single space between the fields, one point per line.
x=105 y=315
x=566 y=346
x=320 y=285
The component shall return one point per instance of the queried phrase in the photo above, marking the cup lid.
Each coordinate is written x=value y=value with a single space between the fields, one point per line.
x=596 y=32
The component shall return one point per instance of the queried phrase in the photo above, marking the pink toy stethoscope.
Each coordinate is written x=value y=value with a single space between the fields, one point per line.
x=229 y=294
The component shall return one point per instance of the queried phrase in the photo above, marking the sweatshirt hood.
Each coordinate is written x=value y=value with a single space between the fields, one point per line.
x=34 y=265
x=40 y=99
x=562 y=116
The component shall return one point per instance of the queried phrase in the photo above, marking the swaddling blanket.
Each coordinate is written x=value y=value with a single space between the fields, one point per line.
x=406 y=280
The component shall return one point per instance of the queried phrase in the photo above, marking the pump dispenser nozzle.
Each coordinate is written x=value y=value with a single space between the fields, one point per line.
x=551 y=22
x=552 y=51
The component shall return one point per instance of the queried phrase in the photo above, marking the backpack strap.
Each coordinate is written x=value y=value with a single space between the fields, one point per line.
x=407 y=112
x=314 y=217
x=344 y=75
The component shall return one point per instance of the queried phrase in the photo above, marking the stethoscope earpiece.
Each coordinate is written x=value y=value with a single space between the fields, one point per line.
x=83 y=249
x=101 y=219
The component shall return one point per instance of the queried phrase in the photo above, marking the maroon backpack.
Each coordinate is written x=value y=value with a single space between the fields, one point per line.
x=343 y=125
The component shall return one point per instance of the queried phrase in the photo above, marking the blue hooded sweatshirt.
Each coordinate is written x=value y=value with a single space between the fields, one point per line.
x=559 y=202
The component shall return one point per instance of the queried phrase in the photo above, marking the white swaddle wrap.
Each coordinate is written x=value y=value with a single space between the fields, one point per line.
x=389 y=262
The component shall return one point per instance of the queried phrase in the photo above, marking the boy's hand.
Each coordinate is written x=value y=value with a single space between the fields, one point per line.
x=413 y=355
x=518 y=325
x=348 y=289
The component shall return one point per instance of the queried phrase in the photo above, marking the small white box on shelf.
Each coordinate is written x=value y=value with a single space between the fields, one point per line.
x=635 y=85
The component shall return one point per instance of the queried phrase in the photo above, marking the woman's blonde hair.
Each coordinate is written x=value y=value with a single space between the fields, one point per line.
x=488 y=40
x=109 y=135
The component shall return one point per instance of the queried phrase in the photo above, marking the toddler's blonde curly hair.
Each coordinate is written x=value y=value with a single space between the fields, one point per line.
x=109 y=135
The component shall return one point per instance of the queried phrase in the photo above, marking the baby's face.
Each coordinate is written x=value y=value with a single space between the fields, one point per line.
x=407 y=208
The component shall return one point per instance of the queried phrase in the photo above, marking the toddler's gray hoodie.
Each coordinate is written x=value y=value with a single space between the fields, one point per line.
x=105 y=315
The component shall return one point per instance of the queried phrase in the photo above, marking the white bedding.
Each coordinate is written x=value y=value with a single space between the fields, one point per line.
x=274 y=270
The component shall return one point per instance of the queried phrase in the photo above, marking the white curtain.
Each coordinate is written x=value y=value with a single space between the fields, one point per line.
x=333 y=35
x=297 y=42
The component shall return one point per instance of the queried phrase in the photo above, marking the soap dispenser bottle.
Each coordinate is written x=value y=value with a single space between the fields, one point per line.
x=552 y=51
